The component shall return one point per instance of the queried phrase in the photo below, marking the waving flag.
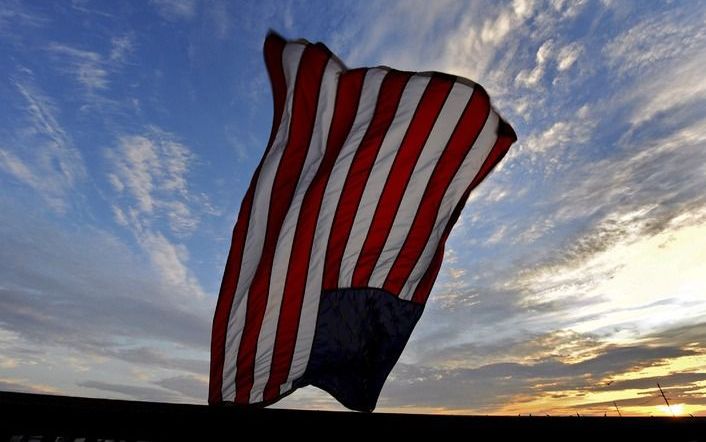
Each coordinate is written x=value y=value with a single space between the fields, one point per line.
x=341 y=233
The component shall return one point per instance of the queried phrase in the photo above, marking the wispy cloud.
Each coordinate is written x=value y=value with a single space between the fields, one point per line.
x=568 y=55
x=84 y=6
x=42 y=116
x=42 y=155
x=92 y=69
x=15 y=13
x=552 y=144
x=625 y=294
x=171 y=260
x=649 y=48
x=87 y=67
x=121 y=47
x=149 y=173
x=188 y=385
x=669 y=35
x=219 y=13
x=174 y=10
x=531 y=78
x=26 y=386
x=149 y=176
x=15 y=166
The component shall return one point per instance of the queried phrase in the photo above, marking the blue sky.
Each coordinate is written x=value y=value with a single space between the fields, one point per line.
x=576 y=275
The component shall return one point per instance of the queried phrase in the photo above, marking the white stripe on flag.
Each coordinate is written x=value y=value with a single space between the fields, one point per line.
x=470 y=167
x=409 y=100
x=291 y=57
x=433 y=148
x=317 y=146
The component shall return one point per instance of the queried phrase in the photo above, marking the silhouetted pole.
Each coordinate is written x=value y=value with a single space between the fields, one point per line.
x=665 y=400
x=617 y=409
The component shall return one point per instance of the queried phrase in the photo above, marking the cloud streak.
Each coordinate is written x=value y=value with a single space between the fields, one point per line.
x=52 y=165
x=175 y=10
x=149 y=175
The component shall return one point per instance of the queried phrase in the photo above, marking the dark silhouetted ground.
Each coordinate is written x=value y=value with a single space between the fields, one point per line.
x=60 y=418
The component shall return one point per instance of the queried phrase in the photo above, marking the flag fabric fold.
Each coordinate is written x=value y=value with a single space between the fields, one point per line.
x=341 y=232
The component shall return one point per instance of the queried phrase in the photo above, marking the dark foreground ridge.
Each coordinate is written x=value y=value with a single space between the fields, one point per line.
x=23 y=417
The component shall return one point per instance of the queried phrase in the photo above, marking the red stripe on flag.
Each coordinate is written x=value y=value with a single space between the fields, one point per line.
x=347 y=99
x=466 y=132
x=273 y=50
x=420 y=127
x=506 y=136
x=304 y=106
x=385 y=108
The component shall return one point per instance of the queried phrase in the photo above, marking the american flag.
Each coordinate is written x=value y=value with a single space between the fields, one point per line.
x=341 y=232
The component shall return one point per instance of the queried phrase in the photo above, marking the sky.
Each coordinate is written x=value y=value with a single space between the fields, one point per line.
x=574 y=281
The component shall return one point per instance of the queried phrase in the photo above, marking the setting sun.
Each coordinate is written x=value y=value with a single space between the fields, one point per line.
x=674 y=409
